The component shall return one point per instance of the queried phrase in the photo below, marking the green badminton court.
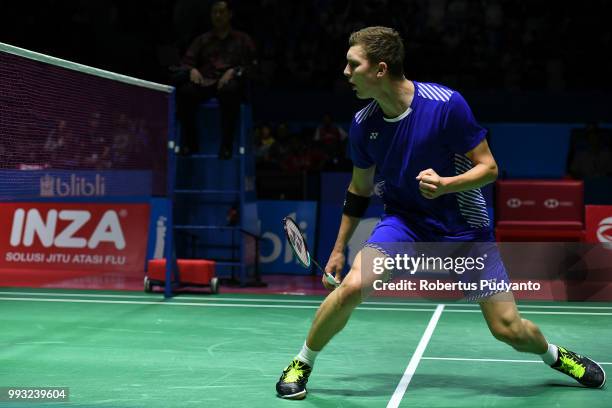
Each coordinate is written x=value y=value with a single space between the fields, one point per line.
x=131 y=349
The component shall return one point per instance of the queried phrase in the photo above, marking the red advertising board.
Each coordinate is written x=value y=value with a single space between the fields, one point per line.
x=46 y=243
x=598 y=223
x=539 y=200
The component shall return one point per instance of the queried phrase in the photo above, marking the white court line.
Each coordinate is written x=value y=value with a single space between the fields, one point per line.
x=161 y=302
x=521 y=306
x=538 y=312
x=238 y=299
x=493 y=360
x=80 y=295
x=416 y=357
x=212 y=299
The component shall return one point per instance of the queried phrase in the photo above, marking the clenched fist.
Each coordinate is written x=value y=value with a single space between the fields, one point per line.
x=431 y=185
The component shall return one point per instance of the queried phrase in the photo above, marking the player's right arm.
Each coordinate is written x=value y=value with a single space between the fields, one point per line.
x=362 y=184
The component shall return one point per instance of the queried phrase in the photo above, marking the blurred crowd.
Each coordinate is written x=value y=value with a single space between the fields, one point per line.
x=471 y=44
x=100 y=143
x=492 y=45
x=302 y=149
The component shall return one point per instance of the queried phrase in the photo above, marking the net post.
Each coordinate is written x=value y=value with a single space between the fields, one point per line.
x=170 y=254
x=242 y=152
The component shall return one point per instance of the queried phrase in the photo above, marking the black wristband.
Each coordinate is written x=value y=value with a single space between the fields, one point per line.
x=355 y=205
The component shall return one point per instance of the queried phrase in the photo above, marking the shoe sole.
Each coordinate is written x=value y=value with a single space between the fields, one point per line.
x=587 y=386
x=604 y=373
x=297 y=396
x=604 y=379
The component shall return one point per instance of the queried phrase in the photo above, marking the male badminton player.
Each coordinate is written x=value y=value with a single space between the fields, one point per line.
x=422 y=141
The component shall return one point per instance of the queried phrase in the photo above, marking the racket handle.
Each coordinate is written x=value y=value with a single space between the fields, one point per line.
x=331 y=280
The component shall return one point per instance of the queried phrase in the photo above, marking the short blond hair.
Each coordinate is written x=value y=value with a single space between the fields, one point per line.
x=381 y=44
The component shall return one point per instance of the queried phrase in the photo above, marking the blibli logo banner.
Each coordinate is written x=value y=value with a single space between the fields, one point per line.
x=275 y=255
x=58 y=184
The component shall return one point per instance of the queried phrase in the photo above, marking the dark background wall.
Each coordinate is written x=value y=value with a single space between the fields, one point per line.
x=514 y=60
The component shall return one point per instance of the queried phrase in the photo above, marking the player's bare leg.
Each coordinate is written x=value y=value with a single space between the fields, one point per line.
x=334 y=312
x=507 y=325
x=330 y=319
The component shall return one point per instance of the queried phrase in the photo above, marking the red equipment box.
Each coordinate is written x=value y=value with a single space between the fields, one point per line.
x=196 y=272
x=539 y=210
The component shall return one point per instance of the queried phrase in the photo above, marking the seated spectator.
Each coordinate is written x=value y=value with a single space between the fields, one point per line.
x=55 y=149
x=332 y=139
x=215 y=66
x=94 y=145
x=295 y=160
x=329 y=133
x=265 y=140
x=122 y=137
x=316 y=156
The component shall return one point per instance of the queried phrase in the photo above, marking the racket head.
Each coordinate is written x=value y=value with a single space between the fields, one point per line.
x=296 y=241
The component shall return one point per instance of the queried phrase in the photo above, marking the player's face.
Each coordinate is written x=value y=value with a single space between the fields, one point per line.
x=360 y=73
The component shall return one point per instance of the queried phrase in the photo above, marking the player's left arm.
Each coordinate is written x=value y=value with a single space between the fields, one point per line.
x=431 y=185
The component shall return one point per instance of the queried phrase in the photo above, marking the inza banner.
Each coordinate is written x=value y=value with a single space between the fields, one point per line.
x=55 y=237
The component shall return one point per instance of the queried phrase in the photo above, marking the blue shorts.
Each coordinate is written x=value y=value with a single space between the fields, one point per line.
x=471 y=257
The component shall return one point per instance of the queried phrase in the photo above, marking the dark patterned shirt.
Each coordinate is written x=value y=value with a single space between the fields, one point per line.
x=212 y=56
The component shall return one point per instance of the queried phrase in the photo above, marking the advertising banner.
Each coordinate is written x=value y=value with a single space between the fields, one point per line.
x=158 y=226
x=540 y=200
x=84 y=184
x=598 y=220
x=44 y=243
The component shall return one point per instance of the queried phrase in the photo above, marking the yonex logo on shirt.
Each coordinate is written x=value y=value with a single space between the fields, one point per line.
x=373 y=135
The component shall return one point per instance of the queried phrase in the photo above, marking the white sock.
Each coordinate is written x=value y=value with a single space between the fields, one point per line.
x=307 y=356
x=551 y=355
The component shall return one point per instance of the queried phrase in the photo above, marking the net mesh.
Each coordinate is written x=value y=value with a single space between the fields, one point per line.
x=68 y=132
